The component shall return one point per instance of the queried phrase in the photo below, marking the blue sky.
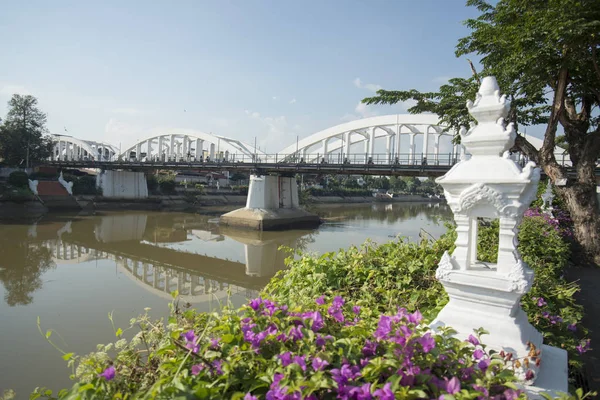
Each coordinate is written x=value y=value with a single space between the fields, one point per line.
x=120 y=71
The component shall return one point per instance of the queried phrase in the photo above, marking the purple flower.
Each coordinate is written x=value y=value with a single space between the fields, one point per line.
x=383 y=327
x=541 y=302
x=322 y=340
x=481 y=389
x=197 y=368
x=338 y=302
x=361 y=392
x=318 y=364
x=336 y=313
x=256 y=303
x=415 y=317
x=484 y=364
x=300 y=360
x=248 y=396
x=317 y=319
x=545 y=314
x=369 y=349
x=473 y=340
x=189 y=336
x=583 y=348
x=217 y=364
x=108 y=373
x=384 y=393
x=427 y=342
x=214 y=343
x=478 y=354
x=572 y=327
x=296 y=333
x=320 y=300
x=453 y=386
x=345 y=373
x=356 y=310
x=286 y=358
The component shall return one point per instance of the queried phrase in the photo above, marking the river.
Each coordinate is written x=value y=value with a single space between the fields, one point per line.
x=71 y=271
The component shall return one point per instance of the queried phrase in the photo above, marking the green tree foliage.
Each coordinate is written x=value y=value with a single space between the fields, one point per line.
x=544 y=54
x=18 y=179
x=22 y=139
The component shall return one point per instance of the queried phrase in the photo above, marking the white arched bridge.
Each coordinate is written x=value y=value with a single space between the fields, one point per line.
x=395 y=144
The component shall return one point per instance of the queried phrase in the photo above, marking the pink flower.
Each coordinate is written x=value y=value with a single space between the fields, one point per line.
x=473 y=340
x=197 y=368
x=453 y=386
x=384 y=393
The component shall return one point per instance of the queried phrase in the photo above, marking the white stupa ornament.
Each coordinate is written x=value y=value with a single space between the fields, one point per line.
x=489 y=184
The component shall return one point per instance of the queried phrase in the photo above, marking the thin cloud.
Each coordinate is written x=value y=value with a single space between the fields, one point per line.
x=127 y=111
x=373 y=87
x=293 y=101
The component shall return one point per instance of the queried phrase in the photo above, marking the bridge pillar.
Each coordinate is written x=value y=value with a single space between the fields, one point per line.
x=199 y=145
x=347 y=143
x=272 y=204
x=436 y=148
x=324 y=149
x=212 y=151
x=172 y=147
x=371 y=142
x=388 y=147
x=411 y=150
x=123 y=184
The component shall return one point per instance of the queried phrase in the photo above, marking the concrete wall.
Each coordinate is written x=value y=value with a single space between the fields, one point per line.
x=123 y=184
x=272 y=192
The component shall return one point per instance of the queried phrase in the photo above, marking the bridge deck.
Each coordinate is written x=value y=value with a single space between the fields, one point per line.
x=269 y=168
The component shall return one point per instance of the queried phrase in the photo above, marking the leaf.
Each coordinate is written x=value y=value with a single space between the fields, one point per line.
x=175 y=294
x=67 y=356
x=227 y=338
x=48 y=334
x=119 y=332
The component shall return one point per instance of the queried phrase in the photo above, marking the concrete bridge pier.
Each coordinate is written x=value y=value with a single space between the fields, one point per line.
x=272 y=204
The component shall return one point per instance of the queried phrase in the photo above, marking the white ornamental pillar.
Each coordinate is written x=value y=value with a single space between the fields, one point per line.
x=212 y=151
x=436 y=148
x=388 y=148
x=185 y=148
x=138 y=152
x=160 y=148
x=324 y=144
x=489 y=184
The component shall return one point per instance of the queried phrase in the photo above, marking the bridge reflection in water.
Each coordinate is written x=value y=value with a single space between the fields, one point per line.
x=148 y=250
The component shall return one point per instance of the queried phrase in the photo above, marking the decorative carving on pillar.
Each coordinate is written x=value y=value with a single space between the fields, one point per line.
x=488 y=183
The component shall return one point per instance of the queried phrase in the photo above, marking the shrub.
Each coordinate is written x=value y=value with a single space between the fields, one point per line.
x=267 y=350
x=85 y=185
x=167 y=185
x=152 y=183
x=342 y=192
x=18 y=179
x=242 y=190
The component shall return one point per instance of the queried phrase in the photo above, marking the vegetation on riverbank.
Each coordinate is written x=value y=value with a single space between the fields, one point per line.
x=329 y=326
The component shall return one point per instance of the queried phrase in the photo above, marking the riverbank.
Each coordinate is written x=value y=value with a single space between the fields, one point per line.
x=189 y=202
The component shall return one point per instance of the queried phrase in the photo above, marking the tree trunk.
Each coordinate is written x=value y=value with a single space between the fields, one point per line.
x=582 y=204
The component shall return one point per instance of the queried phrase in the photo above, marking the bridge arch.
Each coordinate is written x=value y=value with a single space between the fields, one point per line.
x=423 y=130
x=178 y=146
x=70 y=148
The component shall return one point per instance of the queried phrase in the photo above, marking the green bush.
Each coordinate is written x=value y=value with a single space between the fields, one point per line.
x=85 y=185
x=167 y=185
x=339 y=191
x=152 y=183
x=18 y=179
x=242 y=190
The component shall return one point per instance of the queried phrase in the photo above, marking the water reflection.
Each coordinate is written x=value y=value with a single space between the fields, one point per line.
x=190 y=253
x=22 y=263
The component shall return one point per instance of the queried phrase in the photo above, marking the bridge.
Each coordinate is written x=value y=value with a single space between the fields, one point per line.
x=411 y=144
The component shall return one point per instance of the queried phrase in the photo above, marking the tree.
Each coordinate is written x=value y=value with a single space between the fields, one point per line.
x=22 y=137
x=544 y=54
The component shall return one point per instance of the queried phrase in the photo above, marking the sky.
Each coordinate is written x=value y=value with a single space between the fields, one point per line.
x=118 y=71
